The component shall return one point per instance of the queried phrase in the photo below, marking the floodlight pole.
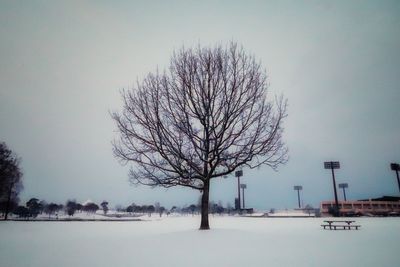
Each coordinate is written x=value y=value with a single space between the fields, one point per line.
x=243 y=186
x=396 y=167
x=298 y=197
x=344 y=193
x=298 y=188
x=333 y=165
x=239 y=192
x=238 y=174
x=344 y=186
x=243 y=197
x=334 y=188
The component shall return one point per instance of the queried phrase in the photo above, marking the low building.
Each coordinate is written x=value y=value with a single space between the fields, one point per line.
x=384 y=206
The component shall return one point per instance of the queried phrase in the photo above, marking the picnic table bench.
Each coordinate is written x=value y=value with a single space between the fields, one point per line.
x=340 y=225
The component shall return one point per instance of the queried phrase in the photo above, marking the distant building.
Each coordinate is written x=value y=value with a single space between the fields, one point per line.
x=383 y=206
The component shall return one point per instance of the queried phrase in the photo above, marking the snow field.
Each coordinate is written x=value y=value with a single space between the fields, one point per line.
x=175 y=241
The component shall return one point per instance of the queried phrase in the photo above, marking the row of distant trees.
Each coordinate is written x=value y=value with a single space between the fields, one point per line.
x=190 y=209
x=34 y=207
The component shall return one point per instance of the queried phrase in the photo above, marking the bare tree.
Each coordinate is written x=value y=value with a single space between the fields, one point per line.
x=104 y=206
x=70 y=207
x=51 y=209
x=10 y=178
x=90 y=207
x=205 y=117
x=34 y=207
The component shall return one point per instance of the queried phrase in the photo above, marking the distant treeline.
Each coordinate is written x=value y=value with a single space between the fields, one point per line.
x=34 y=207
x=190 y=209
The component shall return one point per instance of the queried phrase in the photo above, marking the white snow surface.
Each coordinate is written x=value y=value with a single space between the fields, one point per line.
x=175 y=241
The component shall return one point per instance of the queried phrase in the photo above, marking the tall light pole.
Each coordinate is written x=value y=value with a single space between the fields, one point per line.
x=396 y=167
x=243 y=186
x=238 y=174
x=344 y=186
x=333 y=165
x=298 y=188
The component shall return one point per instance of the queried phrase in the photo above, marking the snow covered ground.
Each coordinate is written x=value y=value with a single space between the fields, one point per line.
x=175 y=241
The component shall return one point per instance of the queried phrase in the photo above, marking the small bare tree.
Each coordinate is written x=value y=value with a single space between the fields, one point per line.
x=202 y=119
x=10 y=179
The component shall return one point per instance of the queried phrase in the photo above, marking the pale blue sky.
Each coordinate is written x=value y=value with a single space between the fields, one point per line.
x=64 y=63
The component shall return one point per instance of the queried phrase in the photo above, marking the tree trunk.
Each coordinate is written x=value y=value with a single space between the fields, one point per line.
x=204 y=206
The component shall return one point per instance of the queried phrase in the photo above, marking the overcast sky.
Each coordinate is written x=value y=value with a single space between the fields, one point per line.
x=63 y=65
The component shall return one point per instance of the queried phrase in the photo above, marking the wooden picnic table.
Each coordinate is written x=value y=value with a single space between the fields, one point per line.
x=334 y=221
x=333 y=224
